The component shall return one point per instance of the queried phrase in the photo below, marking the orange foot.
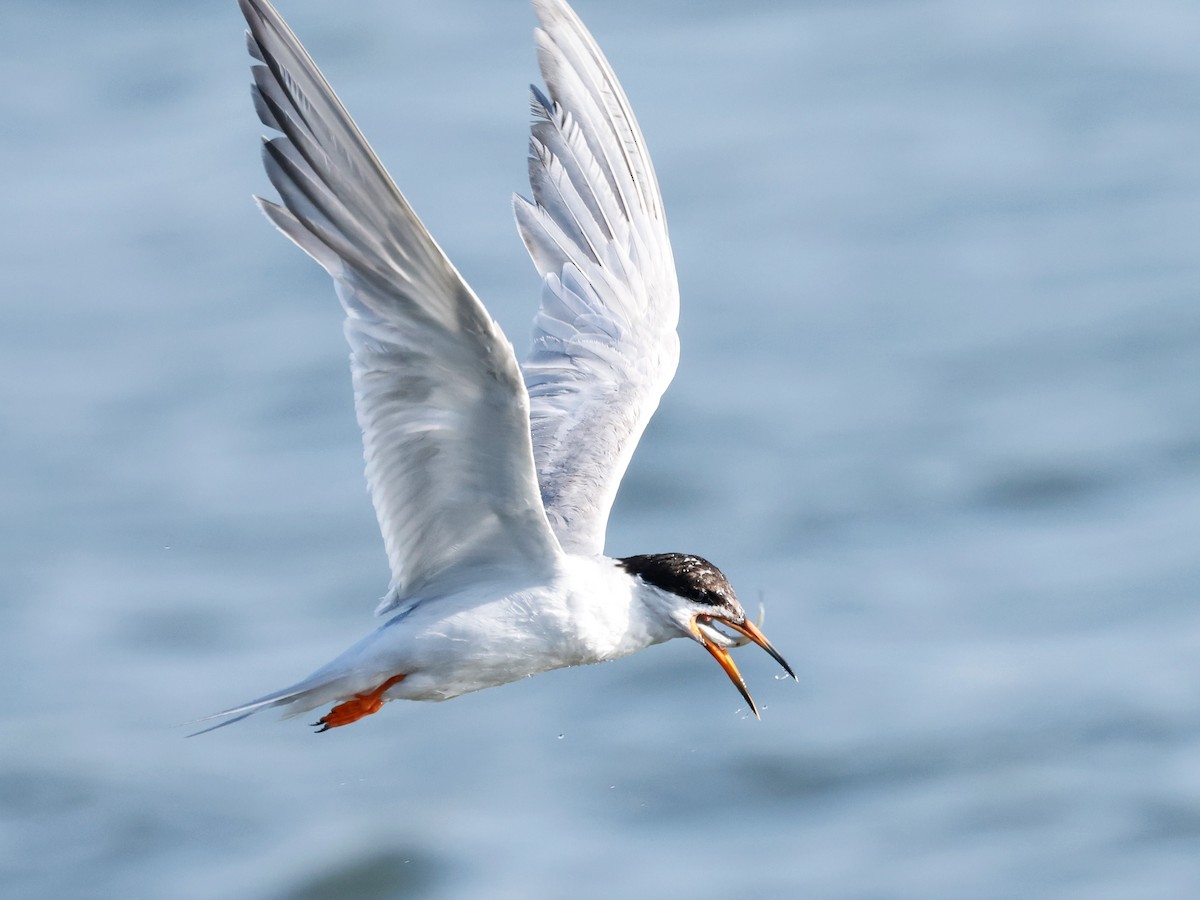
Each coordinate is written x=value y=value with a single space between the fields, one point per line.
x=356 y=707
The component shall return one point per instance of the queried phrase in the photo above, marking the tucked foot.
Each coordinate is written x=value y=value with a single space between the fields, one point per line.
x=356 y=707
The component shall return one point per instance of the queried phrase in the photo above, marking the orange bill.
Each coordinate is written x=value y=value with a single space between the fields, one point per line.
x=722 y=656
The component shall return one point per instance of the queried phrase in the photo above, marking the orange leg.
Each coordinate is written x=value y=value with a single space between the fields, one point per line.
x=357 y=706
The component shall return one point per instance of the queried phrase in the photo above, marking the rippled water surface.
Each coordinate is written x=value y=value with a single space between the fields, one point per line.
x=939 y=406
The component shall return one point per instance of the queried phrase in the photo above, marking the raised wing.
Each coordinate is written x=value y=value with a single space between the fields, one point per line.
x=437 y=388
x=604 y=343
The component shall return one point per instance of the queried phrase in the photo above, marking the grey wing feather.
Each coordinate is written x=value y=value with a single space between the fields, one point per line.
x=604 y=344
x=438 y=392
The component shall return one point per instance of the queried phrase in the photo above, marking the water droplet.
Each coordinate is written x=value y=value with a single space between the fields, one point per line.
x=561 y=736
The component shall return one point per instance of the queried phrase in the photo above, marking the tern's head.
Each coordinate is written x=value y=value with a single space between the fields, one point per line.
x=698 y=597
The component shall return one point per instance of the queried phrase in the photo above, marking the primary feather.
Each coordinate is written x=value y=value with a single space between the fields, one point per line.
x=604 y=343
x=437 y=389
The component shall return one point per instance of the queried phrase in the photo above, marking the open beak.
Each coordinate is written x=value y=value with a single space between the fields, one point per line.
x=721 y=653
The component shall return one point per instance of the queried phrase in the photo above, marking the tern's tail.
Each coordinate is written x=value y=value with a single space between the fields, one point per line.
x=327 y=685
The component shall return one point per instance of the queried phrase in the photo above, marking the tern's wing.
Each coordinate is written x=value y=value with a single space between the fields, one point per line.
x=437 y=388
x=604 y=341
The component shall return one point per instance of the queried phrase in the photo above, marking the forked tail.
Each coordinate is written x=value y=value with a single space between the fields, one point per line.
x=323 y=686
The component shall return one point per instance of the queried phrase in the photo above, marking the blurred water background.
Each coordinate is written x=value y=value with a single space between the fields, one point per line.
x=939 y=406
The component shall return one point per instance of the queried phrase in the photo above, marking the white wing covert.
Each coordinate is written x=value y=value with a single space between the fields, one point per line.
x=437 y=388
x=604 y=342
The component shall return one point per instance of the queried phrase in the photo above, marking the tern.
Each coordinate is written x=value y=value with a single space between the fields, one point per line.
x=492 y=480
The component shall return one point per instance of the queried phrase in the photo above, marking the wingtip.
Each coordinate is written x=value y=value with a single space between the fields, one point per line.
x=548 y=9
x=253 y=12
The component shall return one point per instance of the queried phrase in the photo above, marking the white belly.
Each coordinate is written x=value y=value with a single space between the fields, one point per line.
x=590 y=612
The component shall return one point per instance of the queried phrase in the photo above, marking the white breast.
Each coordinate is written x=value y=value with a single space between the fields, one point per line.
x=591 y=611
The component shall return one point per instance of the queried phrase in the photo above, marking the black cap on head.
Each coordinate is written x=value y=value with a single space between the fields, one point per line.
x=684 y=575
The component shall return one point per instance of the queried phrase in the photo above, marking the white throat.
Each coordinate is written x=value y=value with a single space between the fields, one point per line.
x=612 y=613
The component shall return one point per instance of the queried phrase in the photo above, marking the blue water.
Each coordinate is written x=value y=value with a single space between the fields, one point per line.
x=939 y=407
